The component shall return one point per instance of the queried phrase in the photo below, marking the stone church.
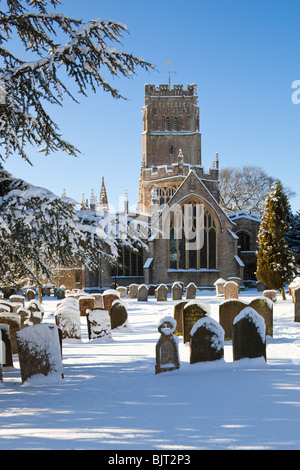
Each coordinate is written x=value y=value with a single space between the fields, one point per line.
x=191 y=239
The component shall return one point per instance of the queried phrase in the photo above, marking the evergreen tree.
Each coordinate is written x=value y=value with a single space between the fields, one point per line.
x=275 y=261
x=29 y=82
x=293 y=235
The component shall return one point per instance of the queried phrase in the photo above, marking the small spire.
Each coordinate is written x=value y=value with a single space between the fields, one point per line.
x=83 y=203
x=64 y=193
x=126 y=201
x=154 y=194
x=92 y=200
x=103 y=202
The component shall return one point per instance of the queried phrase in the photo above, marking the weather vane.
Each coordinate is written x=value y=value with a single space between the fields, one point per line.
x=169 y=72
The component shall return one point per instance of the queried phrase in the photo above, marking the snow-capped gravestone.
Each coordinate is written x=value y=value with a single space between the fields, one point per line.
x=191 y=290
x=17 y=299
x=228 y=310
x=142 y=293
x=176 y=291
x=231 y=290
x=264 y=307
x=85 y=303
x=270 y=294
x=40 y=352
x=14 y=322
x=192 y=312
x=249 y=335
x=98 y=322
x=178 y=316
x=6 y=353
x=219 y=285
x=207 y=341
x=25 y=315
x=167 y=356
x=161 y=292
x=109 y=296
x=68 y=320
x=118 y=315
x=30 y=294
x=132 y=292
x=297 y=304
x=122 y=291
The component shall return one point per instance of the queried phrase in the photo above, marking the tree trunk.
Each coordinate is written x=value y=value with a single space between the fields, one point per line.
x=40 y=294
x=283 y=293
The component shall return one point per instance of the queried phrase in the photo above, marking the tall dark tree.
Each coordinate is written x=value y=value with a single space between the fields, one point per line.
x=275 y=261
x=31 y=81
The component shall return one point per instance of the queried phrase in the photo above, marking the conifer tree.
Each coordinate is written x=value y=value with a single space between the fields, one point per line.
x=56 y=54
x=275 y=261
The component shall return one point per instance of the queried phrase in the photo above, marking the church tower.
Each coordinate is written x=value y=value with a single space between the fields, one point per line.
x=171 y=143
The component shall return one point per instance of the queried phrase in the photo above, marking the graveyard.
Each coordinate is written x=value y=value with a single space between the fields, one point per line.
x=112 y=386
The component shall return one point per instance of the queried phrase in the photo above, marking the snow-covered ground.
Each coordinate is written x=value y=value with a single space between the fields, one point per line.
x=110 y=397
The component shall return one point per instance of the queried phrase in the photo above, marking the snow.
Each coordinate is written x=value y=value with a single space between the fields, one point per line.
x=110 y=397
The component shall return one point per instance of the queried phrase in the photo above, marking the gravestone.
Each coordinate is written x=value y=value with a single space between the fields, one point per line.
x=231 y=290
x=35 y=306
x=5 y=308
x=161 y=292
x=6 y=351
x=297 y=304
x=219 y=285
x=98 y=300
x=20 y=299
x=40 y=351
x=118 y=315
x=60 y=293
x=192 y=312
x=270 y=294
x=14 y=322
x=207 y=341
x=122 y=291
x=260 y=286
x=142 y=295
x=167 y=356
x=176 y=290
x=228 y=310
x=109 y=296
x=152 y=288
x=178 y=316
x=249 y=335
x=7 y=304
x=30 y=294
x=132 y=292
x=68 y=320
x=98 y=322
x=25 y=315
x=85 y=303
x=191 y=290
x=264 y=307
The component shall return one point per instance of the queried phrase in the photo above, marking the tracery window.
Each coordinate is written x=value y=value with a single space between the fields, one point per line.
x=165 y=194
x=181 y=256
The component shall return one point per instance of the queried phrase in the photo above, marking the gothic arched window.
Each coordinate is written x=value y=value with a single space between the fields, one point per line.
x=175 y=124
x=167 y=124
x=185 y=251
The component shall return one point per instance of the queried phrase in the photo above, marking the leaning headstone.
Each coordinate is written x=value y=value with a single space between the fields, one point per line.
x=219 y=285
x=192 y=312
x=85 y=303
x=14 y=322
x=231 y=290
x=109 y=296
x=142 y=295
x=178 y=316
x=122 y=291
x=297 y=304
x=161 y=292
x=228 y=310
x=40 y=352
x=118 y=315
x=132 y=292
x=176 y=290
x=68 y=320
x=167 y=356
x=191 y=290
x=98 y=322
x=207 y=341
x=6 y=352
x=264 y=307
x=249 y=335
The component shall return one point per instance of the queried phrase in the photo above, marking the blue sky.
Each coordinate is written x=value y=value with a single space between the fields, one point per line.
x=243 y=55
